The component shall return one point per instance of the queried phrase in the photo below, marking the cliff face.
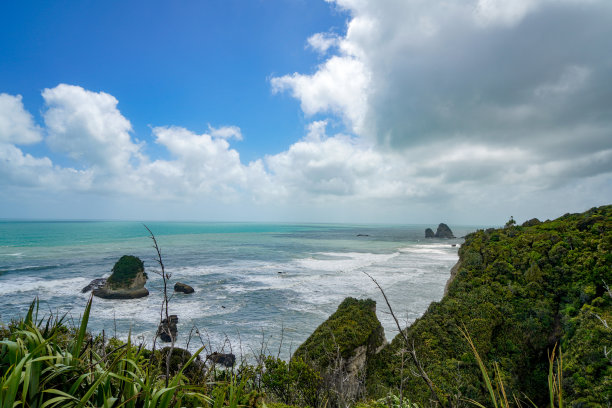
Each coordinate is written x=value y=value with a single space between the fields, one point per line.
x=520 y=291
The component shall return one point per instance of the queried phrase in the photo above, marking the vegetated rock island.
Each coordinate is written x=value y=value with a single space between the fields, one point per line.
x=126 y=282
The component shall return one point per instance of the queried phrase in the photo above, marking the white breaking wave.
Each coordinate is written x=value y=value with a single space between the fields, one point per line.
x=43 y=287
x=340 y=261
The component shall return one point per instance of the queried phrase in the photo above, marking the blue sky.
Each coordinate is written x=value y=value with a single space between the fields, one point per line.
x=292 y=110
x=189 y=63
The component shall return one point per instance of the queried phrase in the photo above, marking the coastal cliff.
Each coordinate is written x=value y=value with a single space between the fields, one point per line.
x=520 y=292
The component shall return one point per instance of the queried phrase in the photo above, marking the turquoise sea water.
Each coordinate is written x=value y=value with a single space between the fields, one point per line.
x=252 y=281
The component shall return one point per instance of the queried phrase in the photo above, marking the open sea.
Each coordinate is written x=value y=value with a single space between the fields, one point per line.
x=256 y=285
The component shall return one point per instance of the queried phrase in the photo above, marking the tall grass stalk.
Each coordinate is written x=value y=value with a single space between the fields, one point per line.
x=498 y=395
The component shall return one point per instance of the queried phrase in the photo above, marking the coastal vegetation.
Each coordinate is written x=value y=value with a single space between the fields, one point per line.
x=525 y=322
x=125 y=270
x=520 y=292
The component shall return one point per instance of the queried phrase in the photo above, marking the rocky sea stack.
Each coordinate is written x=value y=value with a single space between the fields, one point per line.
x=443 y=231
x=126 y=282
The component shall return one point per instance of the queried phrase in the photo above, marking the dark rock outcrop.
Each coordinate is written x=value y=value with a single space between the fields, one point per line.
x=178 y=361
x=182 y=287
x=226 y=360
x=444 y=231
x=94 y=284
x=126 y=282
x=168 y=331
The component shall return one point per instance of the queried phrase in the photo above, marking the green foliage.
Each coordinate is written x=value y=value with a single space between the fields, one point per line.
x=45 y=365
x=125 y=269
x=293 y=383
x=519 y=290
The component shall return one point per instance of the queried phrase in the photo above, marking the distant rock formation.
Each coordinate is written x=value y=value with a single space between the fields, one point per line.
x=182 y=287
x=443 y=231
x=126 y=282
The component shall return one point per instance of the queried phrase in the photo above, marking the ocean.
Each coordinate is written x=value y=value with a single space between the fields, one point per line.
x=257 y=286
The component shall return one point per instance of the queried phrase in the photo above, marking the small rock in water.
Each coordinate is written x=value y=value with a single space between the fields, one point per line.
x=167 y=332
x=182 y=287
x=94 y=284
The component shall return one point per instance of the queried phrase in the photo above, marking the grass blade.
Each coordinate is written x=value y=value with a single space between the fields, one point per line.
x=82 y=329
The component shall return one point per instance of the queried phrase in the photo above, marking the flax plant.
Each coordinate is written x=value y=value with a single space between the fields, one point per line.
x=39 y=368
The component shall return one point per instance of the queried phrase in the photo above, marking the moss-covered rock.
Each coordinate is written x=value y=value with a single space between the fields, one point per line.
x=339 y=349
x=351 y=327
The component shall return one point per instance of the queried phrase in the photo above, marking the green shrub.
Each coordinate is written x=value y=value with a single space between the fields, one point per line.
x=125 y=269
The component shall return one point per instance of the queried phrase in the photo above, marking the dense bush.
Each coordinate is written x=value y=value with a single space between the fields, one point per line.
x=519 y=291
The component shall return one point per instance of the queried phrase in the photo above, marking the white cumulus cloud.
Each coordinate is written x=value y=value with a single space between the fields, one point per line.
x=88 y=127
x=16 y=124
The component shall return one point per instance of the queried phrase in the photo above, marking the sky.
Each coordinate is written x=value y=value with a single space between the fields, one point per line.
x=361 y=111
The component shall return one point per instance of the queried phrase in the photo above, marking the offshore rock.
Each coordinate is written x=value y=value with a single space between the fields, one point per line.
x=444 y=231
x=182 y=287
x=168 y=331
x=429 y=233
x=94 y=284
x=126 y=282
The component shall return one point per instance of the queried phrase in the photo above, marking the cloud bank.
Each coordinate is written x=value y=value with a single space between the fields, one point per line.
x=451 y=110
